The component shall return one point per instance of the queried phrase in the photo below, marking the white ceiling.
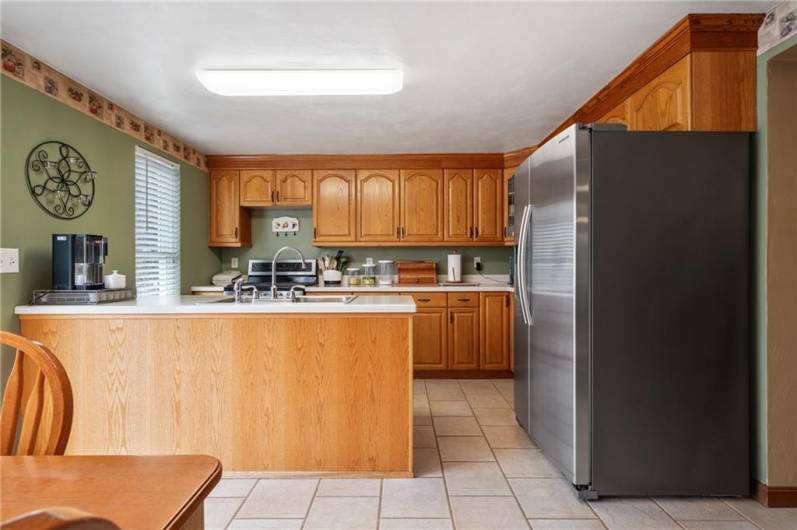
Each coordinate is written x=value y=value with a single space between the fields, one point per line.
x=478 y=76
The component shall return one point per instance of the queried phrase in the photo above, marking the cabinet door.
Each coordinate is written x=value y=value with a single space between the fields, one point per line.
x=508 y=172
x=294 y=188
x=378 y=205
x=429 y=338
x=488 y=214
x=463 y=339
x=421 y=205
x=494 y=331
x=618 y=114
x=458 y=204
x=229 y=223
x=257 y=187
x=664 y=103
x=333 y=205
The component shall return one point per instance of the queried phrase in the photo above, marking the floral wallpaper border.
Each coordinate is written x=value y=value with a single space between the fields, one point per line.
x=779 y=24
x=41 y=77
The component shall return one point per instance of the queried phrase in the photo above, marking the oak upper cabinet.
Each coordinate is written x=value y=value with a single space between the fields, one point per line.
x=508 y=172
x=334 y=205
x=664 y=103
x=421 y=199
x=458 y=204
x=378 y=216
x=494 y=313
x=463 y=338
x=294 y=187
x=257 y=187
x=229 y=223
x=487 y=205
x=618 y=114
x=430 y=338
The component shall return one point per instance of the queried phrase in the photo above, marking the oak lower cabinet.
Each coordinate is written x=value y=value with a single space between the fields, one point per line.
x=294 y=187
x=229 y=223
x=378 y=216
x=334 y=205
x=463 y=338
x=421 y=196
x=494 y=331
x=430 y=338
x=257 y=187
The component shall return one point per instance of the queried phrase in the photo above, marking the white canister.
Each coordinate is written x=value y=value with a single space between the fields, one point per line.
x=115 y=280
x=332 y=276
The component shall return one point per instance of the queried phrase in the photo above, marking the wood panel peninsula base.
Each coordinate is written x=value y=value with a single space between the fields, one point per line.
x=319 y=393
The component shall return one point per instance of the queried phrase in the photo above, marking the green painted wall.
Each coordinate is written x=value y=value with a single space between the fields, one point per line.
x=265 y=243
x=760 y=266
x=29 y=118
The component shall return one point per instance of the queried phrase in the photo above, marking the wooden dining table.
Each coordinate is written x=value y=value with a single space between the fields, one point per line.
x=134 y=492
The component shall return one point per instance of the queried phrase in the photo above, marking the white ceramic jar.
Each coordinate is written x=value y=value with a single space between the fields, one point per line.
x=115 y=280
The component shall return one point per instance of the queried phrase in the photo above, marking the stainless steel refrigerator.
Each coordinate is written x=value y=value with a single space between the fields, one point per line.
x=632 y=309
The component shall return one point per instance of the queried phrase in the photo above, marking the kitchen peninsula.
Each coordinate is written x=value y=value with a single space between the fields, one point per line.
x=266 y=386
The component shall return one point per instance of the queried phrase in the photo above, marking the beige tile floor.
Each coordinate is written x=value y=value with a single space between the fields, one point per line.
x=475 y=470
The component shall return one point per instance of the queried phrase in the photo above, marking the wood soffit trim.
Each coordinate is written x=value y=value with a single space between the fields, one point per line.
x=374 y=161
x=694 y=32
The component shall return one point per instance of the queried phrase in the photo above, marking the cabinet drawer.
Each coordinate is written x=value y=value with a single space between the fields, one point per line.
x=429 y=299
x=463 y=299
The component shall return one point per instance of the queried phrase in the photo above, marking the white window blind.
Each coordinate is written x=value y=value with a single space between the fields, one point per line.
x=157 y=225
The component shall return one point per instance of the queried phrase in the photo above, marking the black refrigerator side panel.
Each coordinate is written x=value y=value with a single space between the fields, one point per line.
x=670 y=285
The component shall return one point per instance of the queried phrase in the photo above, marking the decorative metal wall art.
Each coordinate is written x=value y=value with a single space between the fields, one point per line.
x=60 y=179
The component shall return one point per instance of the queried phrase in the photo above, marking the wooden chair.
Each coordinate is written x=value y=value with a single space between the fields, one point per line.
x=58 y=519
x=36 y=416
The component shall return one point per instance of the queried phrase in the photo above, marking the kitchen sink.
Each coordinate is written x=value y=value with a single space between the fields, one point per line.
x=325 y=299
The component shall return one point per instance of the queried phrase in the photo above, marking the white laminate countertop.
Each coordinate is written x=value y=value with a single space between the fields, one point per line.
x=166 y=305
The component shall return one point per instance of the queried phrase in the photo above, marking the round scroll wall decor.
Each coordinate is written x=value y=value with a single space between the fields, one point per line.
x=60 y=179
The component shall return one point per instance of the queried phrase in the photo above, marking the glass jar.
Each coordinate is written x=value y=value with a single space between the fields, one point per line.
x=352 y=277
x=368 y=278
x=386 y=272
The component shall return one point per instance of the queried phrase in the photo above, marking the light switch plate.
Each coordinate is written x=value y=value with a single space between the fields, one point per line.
x=233 y=263
x=9 y=260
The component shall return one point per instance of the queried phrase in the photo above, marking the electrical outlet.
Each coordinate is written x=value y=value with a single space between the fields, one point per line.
x=233 y=263
x=477 y=263
x=9 y=260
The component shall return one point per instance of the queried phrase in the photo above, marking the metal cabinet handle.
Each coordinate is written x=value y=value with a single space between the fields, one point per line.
x=398 y=232
x=476 y=230
x=450 y=317
x=272 y=196
x=463 y=299
x=424 y=299
x=470 y=232
x=278 y=196
x=315 y=232
x=236 y=232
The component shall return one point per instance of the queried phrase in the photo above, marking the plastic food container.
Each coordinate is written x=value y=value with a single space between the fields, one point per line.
x=368 y=278
x=387 y=270
x=352 y=277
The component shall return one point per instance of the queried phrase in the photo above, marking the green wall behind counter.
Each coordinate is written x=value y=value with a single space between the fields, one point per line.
x=29 y=118
x=495 y=260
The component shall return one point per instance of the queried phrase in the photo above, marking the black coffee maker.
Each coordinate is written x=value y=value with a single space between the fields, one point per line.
x=78 y=261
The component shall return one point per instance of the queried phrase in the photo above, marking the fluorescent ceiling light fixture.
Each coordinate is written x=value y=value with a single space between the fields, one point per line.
x=302 y=82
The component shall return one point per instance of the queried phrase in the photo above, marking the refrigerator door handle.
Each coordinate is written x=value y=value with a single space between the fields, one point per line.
x=521 y=264
x=530 y=234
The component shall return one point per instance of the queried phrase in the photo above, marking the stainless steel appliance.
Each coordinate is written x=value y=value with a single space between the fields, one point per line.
x=78 y=260
x=632 y=288
x=289 y=273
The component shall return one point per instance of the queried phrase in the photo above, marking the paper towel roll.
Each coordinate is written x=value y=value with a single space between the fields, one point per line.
x=454 y=267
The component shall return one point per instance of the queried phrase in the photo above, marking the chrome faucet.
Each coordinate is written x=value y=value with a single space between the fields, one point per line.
x=274 y=290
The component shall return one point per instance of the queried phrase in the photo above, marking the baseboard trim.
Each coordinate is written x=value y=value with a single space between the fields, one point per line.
x=462 y=374
x=775 y=496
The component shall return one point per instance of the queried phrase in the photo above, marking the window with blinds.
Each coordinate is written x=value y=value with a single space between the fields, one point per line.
x=157 y=225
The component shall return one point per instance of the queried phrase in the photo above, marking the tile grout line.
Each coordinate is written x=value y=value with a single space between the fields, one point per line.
x=732 y=507
x=442 y=471
x=492 y=451
x=310 y=505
